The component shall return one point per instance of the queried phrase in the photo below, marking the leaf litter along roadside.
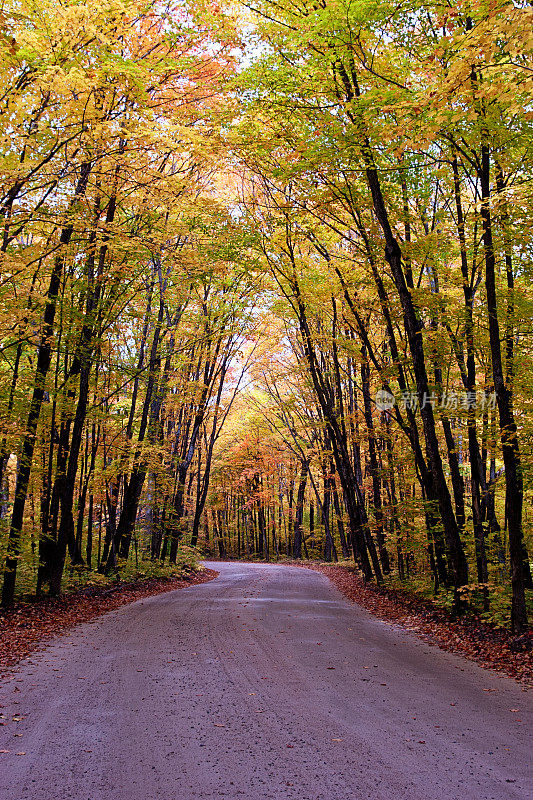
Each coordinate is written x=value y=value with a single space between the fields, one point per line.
x=26 y=626
x=490 y=647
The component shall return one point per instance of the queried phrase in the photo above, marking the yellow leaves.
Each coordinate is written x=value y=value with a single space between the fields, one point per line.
x=66 y=82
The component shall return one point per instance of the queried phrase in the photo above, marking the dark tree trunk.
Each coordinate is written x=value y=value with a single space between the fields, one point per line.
x=44 y=355
x=508 y=430
x=298 y=516
x=412 y=325
x=133 y=488
x=352 y=491
x=413 y=330
x=374 y=466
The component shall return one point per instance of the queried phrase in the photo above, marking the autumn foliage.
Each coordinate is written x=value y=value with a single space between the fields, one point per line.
x=265 y=291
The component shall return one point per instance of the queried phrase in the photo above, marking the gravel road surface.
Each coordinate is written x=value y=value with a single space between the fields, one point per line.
x=264 y=683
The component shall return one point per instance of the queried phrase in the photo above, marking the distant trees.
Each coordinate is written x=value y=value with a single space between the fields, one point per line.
x=383 y=152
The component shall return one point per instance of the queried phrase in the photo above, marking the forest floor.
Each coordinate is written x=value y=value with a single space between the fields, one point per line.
x=25 y=626
x=491 y=647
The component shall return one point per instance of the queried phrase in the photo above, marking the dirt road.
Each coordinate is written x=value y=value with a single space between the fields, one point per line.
x=264 y=683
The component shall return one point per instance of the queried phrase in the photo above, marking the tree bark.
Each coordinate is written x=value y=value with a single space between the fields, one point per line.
x=44 y=355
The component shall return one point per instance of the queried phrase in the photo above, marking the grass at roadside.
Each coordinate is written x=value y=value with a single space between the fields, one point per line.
x=80 y=577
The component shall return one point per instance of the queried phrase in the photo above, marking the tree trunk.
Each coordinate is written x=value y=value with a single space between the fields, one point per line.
x=374 y=467
x=44 y=355
x=298 y=517
x=508 y=430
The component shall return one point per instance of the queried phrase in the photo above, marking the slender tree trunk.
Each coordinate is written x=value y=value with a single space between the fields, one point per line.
x=298 y=517
x=413 y=330
x=44 y=355
x=374 y=466
x=352 y=490
x=508 y=430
